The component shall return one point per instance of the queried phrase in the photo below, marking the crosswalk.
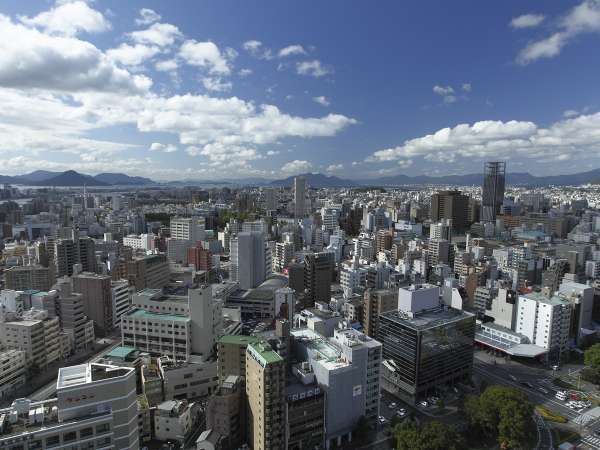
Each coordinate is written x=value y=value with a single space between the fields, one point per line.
x=592 y=441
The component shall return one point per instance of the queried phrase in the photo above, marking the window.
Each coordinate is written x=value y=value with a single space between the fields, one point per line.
x=86 y=432
x=70 y=436
x=104 y=428
x=52 y=441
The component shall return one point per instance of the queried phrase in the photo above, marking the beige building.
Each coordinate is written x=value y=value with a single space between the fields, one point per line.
x=232 y=355
x=265 y=389
x=97 y=299
x=226 y=412
x=22 y=278
x=12 y=371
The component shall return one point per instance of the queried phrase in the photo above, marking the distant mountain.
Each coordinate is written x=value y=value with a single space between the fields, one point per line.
x=70 y=178
x=517 y=178
x=34 y=177
x=317 y=180
x=122 y=179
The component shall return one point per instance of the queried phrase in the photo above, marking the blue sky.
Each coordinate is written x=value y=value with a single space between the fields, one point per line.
x=230 y=89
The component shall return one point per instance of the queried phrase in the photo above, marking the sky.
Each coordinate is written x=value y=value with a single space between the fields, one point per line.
x=230 y=89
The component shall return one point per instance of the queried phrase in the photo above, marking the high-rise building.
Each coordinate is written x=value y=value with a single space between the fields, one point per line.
x=383 y=240
x=187 y=228
x=318 y=273
x=265 y=389
x=299 y=197
x=65 y=257
x=200 y=258
x=232 y=356
x=450 y=205
x=97 y=299
x=375 y=302
x=23 y=278
x=226 y=411
x=494 y=178
x=86 y=253
x=121 y=300
x=248 y=259
x=151 y=271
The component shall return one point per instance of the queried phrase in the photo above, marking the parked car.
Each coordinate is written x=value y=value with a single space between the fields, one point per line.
x=424 y=404
x=393 y=405
x=543 y=390
x=401 y=412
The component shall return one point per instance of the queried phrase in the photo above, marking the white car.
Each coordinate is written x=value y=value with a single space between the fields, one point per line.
x=393 y=405
x=401 y=412
x=424 y=404
x=381 y=419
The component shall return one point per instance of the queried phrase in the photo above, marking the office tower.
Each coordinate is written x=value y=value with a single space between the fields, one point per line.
x=304 y=410
x=97 y=299
x=265 y=389
x=86 y=253
x=296 y=277
x=232 y=356
x=383 y=240
x=121 y=300
x=438 y=252
x=151 y=271
x=143 y=241
x=424 y=346
x=23 y=278
x=299 y=197
x=36 y=334
x=248 y=259
x=318 y=273
x=494 y=178
x=270 y=198
x=187 y=228
x=441 y=230
x=65 y=257
x=546 y=323
x=284 y=253
x=346 y=367
x=95 y=407
x=70 y=308
x=375 y=302
x=553 y=275
x=451 y=206
x=200 y=258
x=226 y=411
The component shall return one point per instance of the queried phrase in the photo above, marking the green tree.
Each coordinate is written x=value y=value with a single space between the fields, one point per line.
x=591 y=356
x=407 y=436
x=440 y=436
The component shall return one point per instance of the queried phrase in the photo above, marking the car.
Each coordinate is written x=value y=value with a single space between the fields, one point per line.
x=401 y=412
x=512 y=377
x=393 y=405
x=382 y=420
x=561 y=395
x=424 y=404
x=543 y=390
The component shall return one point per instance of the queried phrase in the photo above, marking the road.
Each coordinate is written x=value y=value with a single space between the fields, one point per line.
x=49 y=389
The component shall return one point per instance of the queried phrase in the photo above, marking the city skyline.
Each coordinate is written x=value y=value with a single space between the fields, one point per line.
x=224 y=91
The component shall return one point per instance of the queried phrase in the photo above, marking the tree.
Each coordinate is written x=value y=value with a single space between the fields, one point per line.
x=591 y=356
x=431 y=436
x=407 y=436
x=361 y=429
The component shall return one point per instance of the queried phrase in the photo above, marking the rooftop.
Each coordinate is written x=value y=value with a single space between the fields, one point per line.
x=428 y=318
x=265 y=352
x=120 y=352
x=238 y=340
x=143 y=314
x=541 y=298
x=88 y=373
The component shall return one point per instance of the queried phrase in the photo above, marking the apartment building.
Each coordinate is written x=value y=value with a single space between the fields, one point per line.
x=13 y=364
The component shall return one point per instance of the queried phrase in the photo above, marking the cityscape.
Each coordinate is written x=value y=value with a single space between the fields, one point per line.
x=211 y=238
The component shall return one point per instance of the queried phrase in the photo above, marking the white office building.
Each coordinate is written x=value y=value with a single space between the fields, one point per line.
x=248 y=259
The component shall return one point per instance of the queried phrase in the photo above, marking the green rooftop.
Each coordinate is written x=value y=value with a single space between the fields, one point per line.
x=238 y=339
x=143 y=314
x=265 y=352
x=120 y=352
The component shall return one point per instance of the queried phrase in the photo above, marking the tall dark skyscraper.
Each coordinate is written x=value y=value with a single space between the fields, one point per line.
x=494 y=177
x=451 y=205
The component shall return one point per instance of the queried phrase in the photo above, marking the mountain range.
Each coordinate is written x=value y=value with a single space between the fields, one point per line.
x=71 y=178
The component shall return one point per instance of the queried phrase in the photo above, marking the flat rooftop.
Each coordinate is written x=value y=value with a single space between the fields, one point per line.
x=428 y=318
x=143 y=314
x=264 y=351
x=541 y=298
x=238 y=340
x=88 y=373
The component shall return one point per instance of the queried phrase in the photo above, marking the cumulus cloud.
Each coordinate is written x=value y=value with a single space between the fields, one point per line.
x=206 y=55
x=159 y=34
x=69 y=19
x=165 y=148
x=256 y=49
x=576 y=137
x=147 y=16
x=466 y=87
x=322 y=100
x=296 y=166
x=192 y=150
x=583 y=18
x=290 y=50
x=167 y=65
x=30 y=59
x=132 y=55
x=335 y=167
x=443 y=90
x=216 y=84
x=273 y=152
x=312 y=68
x=527 y=21
x=245 y=72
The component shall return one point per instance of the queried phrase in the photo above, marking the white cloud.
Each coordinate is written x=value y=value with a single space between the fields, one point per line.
x=216 y=84
x=577 y=137
x=467 y=87
x=583 y=18
x=313 y=68
x=335 y=168
x=147 y=16
x=273 y=152
x=256 y=49
x=570 y=113
x=527 y=21
x=132 y=55
x=322 y=100
x=245 y=72
x=443 y=90
x=68 y=19
x=193 y=150
x=206 y=55
x=160 y=34
x=30 y=59
x=167 y=65
x=291 y=50
x=297 y=166
x=165 y=148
